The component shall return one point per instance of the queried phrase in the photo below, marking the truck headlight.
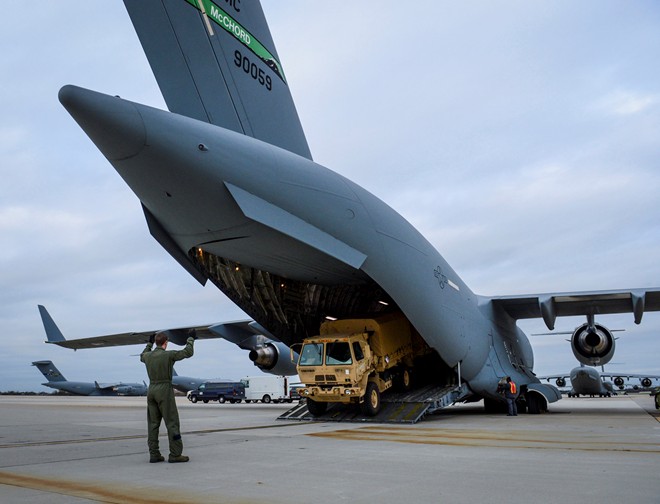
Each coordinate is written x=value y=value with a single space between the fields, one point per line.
x=347 y=391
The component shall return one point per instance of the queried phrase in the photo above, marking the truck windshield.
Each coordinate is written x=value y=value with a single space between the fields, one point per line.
x=338 y=352
x=311 y=354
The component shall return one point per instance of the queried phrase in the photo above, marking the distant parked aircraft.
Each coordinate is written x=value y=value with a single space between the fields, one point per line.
x=57 y=381
x=188 y=383
x=585 y=380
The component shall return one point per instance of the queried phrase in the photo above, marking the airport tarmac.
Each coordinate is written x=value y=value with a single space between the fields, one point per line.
x=82 y=449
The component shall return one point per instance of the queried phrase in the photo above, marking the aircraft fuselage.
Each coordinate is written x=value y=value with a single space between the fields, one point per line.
x=216 y=194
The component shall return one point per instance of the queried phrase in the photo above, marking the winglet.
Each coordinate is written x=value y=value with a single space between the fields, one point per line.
x=53 y=332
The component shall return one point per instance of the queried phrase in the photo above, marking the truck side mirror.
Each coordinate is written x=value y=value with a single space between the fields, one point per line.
x=292 y=351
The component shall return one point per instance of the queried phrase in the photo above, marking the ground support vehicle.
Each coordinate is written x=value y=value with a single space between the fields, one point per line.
x=266 y=388
x=233 y=392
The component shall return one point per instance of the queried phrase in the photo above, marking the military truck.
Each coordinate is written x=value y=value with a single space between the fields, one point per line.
x=355 y=361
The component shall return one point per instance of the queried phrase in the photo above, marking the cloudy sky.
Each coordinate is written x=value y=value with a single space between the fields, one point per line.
x=521 y=138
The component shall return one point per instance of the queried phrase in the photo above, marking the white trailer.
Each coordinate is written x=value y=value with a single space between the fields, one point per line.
x=266 y=388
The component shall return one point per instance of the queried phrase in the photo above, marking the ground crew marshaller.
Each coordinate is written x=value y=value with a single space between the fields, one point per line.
x=160 y=398
x=511 y=394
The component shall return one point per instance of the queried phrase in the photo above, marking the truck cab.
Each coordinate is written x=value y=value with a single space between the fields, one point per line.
x=335 y=368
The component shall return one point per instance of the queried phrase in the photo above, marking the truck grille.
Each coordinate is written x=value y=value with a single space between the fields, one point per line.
x=325 y=378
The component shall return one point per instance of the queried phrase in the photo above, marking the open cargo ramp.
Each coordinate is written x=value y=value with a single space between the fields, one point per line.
x=397 y=407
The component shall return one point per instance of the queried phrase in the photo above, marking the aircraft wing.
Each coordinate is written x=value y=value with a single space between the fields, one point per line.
x=177 y=336
x=552 y=305
x=560 y=380
x=216 y=62
x=632 y=382
x=107 y=386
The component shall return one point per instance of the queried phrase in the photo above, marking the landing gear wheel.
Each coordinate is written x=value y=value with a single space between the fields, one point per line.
x=316 y=408
x=371 y=404
x=535 y=404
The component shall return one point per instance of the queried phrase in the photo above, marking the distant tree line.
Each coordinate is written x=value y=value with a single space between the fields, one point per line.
x=55 y=393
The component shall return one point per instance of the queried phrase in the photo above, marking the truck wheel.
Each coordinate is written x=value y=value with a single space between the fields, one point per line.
x=265 y=399
x=316 y=408
x=205 y=401
x=406 y=380
x=371 y=404
x=221 y=400
x=193 y=399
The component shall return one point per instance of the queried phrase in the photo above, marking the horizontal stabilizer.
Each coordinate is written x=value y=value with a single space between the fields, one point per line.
x=288 y=224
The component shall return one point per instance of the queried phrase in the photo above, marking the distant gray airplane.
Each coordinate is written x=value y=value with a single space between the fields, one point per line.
x=187 y=383
x=57 y=381
x=229 y=189
x=588 y=381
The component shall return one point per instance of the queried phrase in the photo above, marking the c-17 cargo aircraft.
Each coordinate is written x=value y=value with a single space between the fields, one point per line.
x=57 y=381
x=588 y=381
x=229 y=188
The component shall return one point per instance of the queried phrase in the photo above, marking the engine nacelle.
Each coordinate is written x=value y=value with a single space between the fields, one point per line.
x=593 y=346
x=561 y=382
x=619 y=382
x=274 y=357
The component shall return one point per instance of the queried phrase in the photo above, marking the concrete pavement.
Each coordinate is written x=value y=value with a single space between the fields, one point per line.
x=84 y=449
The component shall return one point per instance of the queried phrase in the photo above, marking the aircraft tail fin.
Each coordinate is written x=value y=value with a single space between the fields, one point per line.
x=49 y=370
x=53 y=332
x=216 y=62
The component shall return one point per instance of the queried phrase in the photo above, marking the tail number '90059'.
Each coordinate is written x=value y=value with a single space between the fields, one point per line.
x=251 y=68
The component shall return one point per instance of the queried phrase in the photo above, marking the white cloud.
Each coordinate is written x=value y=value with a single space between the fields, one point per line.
x=625 y=103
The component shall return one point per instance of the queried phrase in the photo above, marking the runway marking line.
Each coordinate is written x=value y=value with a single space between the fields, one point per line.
x=482 y=438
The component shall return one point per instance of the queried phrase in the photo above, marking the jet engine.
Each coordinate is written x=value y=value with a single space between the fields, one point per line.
x=619 y=382
x=269 y=355
x=646 y=382
x=273 y=357
x=561 y=382
x=593 y=344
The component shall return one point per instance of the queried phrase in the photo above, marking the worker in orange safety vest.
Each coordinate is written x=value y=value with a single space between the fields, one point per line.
x=511 y=394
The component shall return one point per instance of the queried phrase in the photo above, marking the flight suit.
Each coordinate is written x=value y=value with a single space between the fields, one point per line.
x=160 y=398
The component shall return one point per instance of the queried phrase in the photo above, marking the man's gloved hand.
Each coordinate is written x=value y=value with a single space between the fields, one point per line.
x=152 y=338
x=192 y=333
